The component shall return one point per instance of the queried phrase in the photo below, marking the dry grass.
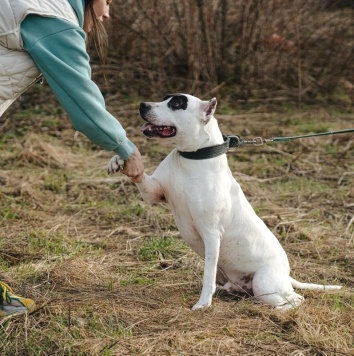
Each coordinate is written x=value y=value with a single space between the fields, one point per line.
x=111 y=277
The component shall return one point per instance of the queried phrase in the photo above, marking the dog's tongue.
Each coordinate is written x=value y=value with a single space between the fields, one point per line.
x=167 y=131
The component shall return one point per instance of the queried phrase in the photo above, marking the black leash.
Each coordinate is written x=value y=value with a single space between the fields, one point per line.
x=232 y=142
x=258 y=141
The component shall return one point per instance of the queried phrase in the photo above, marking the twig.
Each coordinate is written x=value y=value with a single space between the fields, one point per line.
x=341 y=179
x=292 y=222
x=215 y=89
x=26 y=328
x=3 y=126
x=6 y=318
x=350 y=224
x=69 y=318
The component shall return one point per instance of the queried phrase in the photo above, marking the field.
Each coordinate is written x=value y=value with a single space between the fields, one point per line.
x=110 y=275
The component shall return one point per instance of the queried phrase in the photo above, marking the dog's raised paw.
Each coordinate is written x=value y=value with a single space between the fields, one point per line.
x=115 y=165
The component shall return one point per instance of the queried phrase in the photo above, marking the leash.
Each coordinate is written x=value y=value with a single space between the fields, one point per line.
x=237 y=141
x=231 y=142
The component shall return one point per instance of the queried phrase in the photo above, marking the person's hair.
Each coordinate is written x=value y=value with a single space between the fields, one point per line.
x=98 y=33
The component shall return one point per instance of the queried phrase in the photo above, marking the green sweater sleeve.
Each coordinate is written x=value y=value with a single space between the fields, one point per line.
x=58 y=48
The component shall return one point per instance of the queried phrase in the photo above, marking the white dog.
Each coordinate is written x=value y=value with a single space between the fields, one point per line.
x=211 y=212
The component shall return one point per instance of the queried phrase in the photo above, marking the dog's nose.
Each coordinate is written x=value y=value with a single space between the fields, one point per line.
x=144 y=108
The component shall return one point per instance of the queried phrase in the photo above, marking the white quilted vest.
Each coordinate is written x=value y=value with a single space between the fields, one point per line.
x=17 y=70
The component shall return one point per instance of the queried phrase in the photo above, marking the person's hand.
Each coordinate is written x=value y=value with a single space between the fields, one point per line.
x=134 y=167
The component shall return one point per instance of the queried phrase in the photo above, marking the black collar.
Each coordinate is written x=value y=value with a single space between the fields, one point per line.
x=213 y=151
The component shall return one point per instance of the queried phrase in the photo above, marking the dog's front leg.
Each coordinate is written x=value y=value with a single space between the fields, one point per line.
x=212 y=248
x=150 y=189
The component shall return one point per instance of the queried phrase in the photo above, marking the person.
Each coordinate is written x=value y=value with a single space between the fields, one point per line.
x=50 y=38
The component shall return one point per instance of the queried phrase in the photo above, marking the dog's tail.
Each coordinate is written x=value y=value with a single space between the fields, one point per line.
x=312 y=286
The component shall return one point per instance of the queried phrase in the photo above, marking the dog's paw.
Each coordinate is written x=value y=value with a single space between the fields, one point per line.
x=201 y=305
x=115 y=165
x=292 y=302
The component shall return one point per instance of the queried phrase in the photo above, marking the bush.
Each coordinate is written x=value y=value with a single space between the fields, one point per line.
x=251 y=48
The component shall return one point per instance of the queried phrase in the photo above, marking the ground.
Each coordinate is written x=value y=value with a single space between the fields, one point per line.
x=110 y=275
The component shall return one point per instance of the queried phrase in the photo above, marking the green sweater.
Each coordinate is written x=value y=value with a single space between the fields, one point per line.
x=58 y=48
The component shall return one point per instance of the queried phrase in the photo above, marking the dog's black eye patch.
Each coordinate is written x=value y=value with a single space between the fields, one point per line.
x=177 y=102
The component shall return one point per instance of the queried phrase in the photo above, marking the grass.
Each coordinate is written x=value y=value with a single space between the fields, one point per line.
x=110 y=275
x=155 y=249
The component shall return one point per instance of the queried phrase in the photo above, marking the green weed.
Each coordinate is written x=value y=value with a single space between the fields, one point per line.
x=161 y=248
x=300 y=185
x=52 y=243
x=9 y=213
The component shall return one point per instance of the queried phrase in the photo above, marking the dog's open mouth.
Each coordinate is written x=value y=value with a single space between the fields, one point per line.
x=150 y=130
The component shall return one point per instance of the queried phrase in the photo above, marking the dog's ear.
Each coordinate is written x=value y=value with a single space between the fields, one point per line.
x=208 y=109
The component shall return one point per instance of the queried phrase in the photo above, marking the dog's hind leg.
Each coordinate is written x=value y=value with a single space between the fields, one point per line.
x=274 y=288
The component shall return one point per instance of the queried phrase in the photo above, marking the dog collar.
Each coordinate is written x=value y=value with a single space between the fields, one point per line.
x=230 y=142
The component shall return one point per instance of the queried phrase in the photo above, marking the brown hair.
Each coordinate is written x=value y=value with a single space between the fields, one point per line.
x=98 y=34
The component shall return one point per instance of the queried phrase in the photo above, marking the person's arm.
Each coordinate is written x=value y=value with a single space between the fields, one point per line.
x=58 y=49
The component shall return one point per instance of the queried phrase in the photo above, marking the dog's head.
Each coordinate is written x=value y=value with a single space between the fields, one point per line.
x=180 y=119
